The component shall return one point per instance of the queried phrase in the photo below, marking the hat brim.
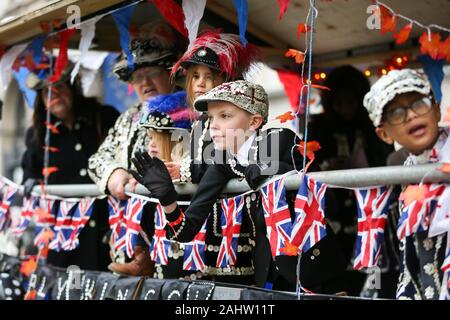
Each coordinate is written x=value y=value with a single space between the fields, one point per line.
x=39 y=84
x=162 y=129
x=202 y=104
x=188 y=63
x=124 y=73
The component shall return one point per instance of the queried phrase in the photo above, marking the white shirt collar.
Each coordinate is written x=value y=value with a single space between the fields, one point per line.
x=242 y=155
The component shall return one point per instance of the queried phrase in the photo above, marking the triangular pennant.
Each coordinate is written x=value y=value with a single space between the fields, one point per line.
x=231 y=230
x=373 y=205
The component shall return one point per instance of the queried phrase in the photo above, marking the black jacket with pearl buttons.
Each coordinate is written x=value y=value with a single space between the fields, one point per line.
x=319 y=265
x=75 y=146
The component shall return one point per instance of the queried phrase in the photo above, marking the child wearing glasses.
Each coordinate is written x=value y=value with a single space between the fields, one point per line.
x=403 y=110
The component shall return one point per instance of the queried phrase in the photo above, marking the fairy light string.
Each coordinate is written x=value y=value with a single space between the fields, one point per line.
x=412 y=21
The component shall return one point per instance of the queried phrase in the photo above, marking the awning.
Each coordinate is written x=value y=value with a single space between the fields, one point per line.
x=25 y=27
x=341 y=36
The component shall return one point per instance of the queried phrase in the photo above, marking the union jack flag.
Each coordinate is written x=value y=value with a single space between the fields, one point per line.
x=7 y=194
x=46 y=218
x=194 y=252
x=80 y=217
x=63 y=227
x=417 y=215
x=309 y=224
x=373 y=205
x=116 y=221
x=26 y=214
x=231 y=229
x=133 y=215
x=277 y=216
x=160 y=245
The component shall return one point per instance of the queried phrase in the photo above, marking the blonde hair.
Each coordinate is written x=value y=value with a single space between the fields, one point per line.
x=218 y=79
x=169 y=150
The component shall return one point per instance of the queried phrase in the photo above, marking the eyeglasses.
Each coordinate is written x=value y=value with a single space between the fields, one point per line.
x=151 y=74
x=399 y=115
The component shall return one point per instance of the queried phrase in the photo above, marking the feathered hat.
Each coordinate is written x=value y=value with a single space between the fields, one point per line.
x=223 y=52
x=167 y=112
x=154 y=47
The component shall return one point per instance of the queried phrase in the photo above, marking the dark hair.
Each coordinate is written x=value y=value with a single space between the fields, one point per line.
x=350 y=80
x=80 y=105
x=353 y=82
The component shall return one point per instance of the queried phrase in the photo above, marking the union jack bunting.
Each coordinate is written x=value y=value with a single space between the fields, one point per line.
x=133 y=215
x=373 y=205
x=309 y=223
x=277 y=216
x=160 y=245
x=63 y=227
x=26 y=214
x=194 y=252
x=417 y=215
x=116 y=210
x=80 y=217
x=46 y=218
x=231 y=229
x=7 y=194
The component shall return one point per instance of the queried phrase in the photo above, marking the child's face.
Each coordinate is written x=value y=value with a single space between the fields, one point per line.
x=203 y=80
x=411 y=119
x=153 y=148
x=230 y=126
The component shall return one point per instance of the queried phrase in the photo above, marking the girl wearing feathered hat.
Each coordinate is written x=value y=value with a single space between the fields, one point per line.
x=212 y=59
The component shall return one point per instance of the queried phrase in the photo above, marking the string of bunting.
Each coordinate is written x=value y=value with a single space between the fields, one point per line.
x=287 y=237
x=430 y=42
x=59 y=221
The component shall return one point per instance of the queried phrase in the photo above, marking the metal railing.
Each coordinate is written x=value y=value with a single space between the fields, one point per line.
x=353 y=178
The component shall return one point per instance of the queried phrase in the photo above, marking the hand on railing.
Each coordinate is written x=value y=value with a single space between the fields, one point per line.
x=117 y=182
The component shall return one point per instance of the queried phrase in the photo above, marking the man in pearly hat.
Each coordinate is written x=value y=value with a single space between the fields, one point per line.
x=153 y=55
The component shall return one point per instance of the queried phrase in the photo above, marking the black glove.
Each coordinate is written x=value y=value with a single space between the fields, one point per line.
x=153 y=174
x=28 y=186
x=256 y=173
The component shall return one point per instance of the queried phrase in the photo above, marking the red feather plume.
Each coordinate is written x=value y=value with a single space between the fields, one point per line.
x=234 y=59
